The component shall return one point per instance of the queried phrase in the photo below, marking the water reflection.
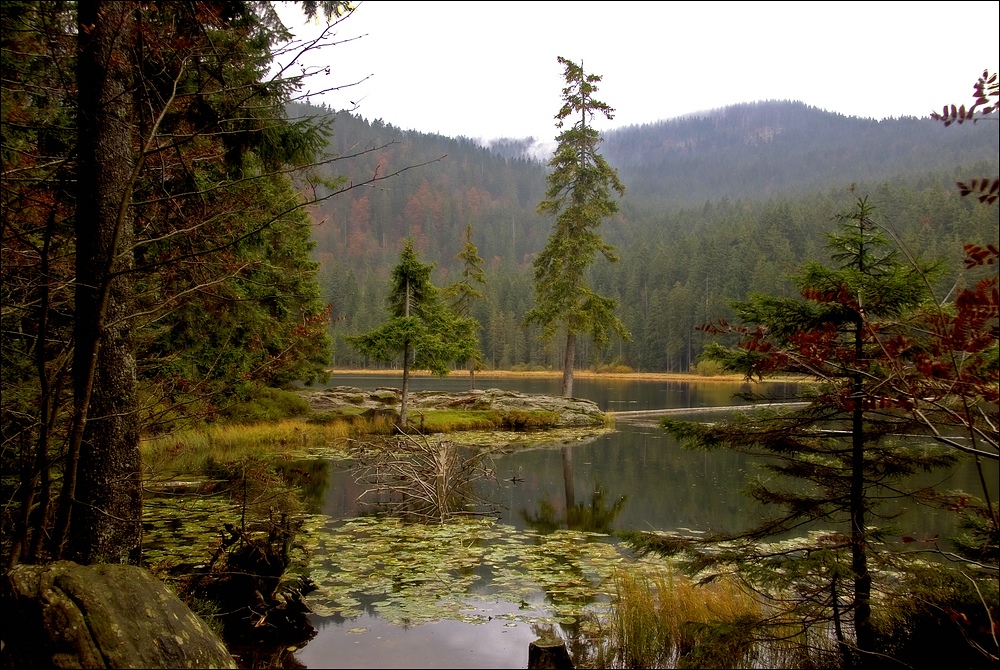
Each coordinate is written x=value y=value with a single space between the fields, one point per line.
x=636 y=478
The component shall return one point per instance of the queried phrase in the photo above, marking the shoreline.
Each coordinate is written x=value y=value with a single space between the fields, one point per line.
x=556 y=374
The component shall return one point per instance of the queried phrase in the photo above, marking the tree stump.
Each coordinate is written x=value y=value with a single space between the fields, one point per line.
x=550 y=654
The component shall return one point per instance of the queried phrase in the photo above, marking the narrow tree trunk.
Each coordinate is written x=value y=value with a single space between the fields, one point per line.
x=567 y=380
x=859 y=541
x=105 y=520
x=406 y=384
x=406 y=362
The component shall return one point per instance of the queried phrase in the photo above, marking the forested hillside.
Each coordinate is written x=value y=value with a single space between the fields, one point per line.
x=716 y=205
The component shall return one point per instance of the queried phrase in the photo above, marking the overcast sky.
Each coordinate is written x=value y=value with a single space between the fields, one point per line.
x=489 y=69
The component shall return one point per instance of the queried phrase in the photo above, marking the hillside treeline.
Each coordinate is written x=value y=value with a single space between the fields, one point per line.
x=684 y=256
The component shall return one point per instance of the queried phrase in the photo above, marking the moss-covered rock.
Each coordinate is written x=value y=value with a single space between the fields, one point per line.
x=570 y=412
x=66 y=615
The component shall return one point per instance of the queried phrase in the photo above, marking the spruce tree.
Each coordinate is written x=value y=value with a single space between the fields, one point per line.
x=420 y=327
x=159 y=234
x=462 y=293
x=838 y=459
x=579 y=197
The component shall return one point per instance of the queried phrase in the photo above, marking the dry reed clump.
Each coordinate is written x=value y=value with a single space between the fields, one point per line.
x=422 y=479
x=657 y=621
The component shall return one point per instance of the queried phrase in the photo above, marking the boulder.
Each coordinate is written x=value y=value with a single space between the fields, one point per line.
x=66 y=615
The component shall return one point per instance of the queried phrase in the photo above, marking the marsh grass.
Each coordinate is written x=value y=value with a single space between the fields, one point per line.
x=200 y=449
x=197 y=450
x=666 y=620
x=450 y=421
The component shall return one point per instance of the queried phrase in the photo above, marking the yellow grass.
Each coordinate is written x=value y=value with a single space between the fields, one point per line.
x=550 y=374
x=190 y=451
x=656 y=619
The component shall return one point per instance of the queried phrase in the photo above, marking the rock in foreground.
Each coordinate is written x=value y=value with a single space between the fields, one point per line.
x=65 y=615
x=572 y=412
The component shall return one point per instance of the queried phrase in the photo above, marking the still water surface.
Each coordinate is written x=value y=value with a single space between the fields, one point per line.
x=635 y=478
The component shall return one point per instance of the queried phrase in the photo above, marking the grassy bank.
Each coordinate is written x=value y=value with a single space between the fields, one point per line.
x=290 y=430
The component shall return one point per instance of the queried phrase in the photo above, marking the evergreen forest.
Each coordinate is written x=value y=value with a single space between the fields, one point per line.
x=717 y=206
x=187 y=241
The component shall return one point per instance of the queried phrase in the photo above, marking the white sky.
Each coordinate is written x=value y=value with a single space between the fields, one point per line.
x=489 y=69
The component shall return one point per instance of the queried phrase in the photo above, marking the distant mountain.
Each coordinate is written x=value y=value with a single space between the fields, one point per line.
x=768 y=148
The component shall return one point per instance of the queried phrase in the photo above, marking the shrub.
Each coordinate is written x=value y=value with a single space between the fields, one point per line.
x=267 y=404
x=709 y=368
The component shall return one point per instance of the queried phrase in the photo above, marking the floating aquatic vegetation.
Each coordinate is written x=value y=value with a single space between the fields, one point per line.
x=184 y=530
x=409 y=573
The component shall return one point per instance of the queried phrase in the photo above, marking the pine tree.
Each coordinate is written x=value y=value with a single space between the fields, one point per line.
x=421 y=327
x=837 y=458
x=462 y=293
x=579 y=197
x=155 y=201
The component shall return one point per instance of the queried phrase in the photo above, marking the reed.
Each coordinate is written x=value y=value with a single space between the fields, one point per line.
x=193 y=451
x=659 y=619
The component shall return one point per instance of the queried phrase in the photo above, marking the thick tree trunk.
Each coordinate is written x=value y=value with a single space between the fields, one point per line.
x=567 y=380
x=105 y=525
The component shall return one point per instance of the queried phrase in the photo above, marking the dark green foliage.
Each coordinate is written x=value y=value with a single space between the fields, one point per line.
x=463 y=293
x=937 y=616
x=155 y=253
x=688 y=256
x=266 y=405
x=421 y=328
x=580 y=185
x=829 y=468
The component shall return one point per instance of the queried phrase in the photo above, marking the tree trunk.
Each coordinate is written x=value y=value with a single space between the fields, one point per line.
x=105 y=515
x=406 y=363
x=406 y=384
x=859 y=541
x=567 y=380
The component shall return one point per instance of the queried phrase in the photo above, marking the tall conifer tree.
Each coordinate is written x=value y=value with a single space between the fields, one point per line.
x=579 y=197
x=462 y=293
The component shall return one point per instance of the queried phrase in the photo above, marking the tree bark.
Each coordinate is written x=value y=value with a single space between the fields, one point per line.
x=567 y=380
x=106 y=501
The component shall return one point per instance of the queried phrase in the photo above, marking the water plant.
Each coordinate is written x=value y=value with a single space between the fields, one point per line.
x=662 y=619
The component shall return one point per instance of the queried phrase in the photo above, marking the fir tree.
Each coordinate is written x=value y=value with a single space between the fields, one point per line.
x=462 y=293
x=421 y=327
x=838 y=458
x=579 y=197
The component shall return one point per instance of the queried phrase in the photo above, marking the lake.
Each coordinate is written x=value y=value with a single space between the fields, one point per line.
x=475 y=594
